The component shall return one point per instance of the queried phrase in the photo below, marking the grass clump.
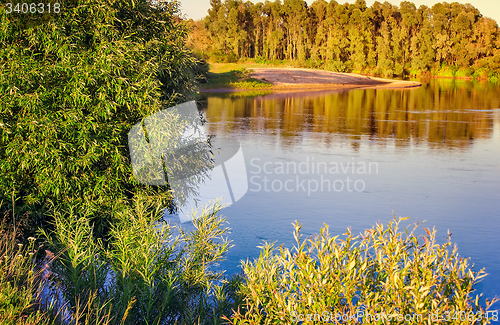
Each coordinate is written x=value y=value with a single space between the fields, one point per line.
x=383 y=271
x=21 y=281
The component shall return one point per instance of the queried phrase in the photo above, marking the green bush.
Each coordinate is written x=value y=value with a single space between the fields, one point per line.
x=72 y=85
x=383 y=271
x=446 y=71
x=147 y=274
x=312 y=64
x=220 y=57
x=235 y=79
x=465 y=72
x=338 y=66
x=201 y=70
x=154 y=273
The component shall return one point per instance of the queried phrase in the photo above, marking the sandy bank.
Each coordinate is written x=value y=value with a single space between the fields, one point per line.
x=294 y=78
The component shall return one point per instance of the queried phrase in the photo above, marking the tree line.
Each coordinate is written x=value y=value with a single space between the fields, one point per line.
x=384 y=38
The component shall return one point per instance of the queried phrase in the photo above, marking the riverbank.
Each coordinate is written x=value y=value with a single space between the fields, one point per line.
x=300 y=78
x=245 y=77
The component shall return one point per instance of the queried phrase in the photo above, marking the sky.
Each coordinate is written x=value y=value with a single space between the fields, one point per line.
x=197 y=9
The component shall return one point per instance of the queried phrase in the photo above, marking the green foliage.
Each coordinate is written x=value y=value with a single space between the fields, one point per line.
x=223 y=58
x=235 y=79
x=201 y=71
x=71 y=88
x=346 y=37
x=337 y=66
x=154 y=273
x=250 y=83
x=446 y=71
x=382 y=271
x=147 y=274
x=465 y=72
x=20 y=282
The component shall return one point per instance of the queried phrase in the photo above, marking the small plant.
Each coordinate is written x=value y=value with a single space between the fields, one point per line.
x=373 y=278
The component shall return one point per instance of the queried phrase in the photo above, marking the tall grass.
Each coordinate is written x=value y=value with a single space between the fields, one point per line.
x=147 y=274
x=21 y=282
x=152 y=272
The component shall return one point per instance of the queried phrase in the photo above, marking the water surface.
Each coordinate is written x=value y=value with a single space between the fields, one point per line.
x=434 y=154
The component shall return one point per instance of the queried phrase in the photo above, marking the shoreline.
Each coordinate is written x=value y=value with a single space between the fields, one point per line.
x=297 y=79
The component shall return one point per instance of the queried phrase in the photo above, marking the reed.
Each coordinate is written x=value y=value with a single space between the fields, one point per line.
x=21 y=281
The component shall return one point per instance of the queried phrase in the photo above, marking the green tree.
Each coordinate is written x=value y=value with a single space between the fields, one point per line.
x=383 y=37
x=72 y=85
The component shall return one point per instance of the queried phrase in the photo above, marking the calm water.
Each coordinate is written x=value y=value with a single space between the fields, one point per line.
x=431 y=153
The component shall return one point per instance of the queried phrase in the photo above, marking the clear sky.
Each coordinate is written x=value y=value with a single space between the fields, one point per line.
x=197 y=9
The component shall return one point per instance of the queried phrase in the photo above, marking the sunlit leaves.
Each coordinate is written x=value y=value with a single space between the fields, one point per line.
x=381 y=271
x=383 y=38
x=71 y=89
x=150 y=273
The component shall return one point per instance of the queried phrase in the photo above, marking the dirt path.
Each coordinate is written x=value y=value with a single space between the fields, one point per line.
x=293 y=78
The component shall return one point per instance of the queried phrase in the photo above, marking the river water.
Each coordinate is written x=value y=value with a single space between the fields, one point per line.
x=353 y=158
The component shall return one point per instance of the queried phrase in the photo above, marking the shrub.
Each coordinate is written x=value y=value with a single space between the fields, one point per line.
x=338 y=66
x=467 y=72
x=399 y=69
x=446 y=71
x=312 y=64
x=147 y=274
x=383 y=271
x=201 y=70
x=73 y=84
x=221 y=57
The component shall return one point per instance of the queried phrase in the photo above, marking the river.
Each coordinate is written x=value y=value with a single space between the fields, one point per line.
x=353 y=158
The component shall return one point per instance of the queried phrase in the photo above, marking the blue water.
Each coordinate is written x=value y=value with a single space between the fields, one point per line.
x=436 y=151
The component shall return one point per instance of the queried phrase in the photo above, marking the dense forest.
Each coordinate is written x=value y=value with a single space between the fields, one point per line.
x=447 y=38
